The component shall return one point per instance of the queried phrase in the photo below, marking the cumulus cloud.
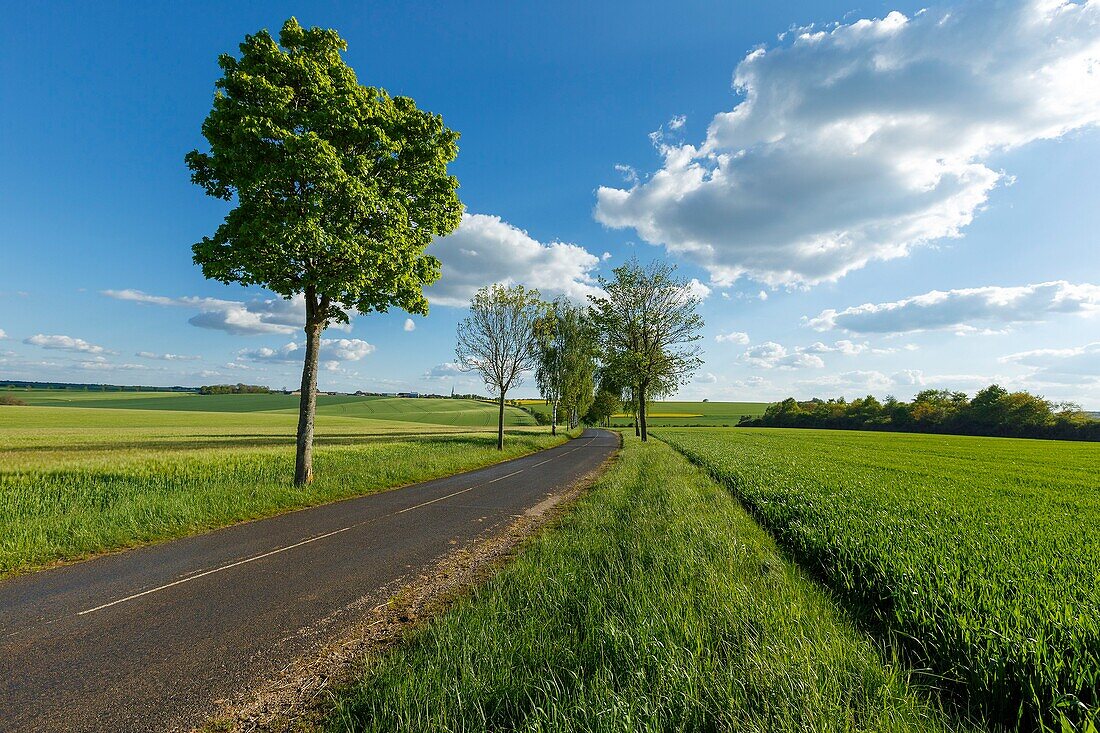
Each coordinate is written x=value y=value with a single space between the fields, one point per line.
x=65 y=343
x=332 y=350
x=166 y=357
x=859 y=380
x=1078 y=365
x=964 y=310
x=861 y=141
x=257 y=316
x=104 y=366
x=444 y=371
x=3 y=334
x=486 y=250
x=698 y=289
x=706 y=378
x=410 y=324
x=733 y=337
x=770 y=355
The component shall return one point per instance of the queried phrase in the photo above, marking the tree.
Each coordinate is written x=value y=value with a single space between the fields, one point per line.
x=566 y=367
x=338 y=189
x=603 y=406
x=497 y=340
x=647 y=323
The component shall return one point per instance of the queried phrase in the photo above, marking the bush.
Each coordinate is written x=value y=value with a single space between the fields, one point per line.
x=11 y=400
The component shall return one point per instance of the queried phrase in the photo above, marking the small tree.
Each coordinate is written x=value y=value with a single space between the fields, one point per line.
x=497 y=340
x=338 y=189
x=647 y=324
x=566 y=367
x=604 y=405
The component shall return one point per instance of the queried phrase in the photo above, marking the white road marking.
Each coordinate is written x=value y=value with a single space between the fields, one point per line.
x=261 y=556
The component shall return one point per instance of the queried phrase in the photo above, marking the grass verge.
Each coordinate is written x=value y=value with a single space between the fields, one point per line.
x=657 y=604
x=96 y=505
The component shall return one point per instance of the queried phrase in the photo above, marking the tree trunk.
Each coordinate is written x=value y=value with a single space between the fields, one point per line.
x=307 y=405
x=500 y=423
x=554 y=418
x=641 y=414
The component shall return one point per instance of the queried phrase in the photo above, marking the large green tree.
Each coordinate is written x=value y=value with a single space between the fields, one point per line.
x=338 y=188
x=647 y=322
x=497 y=340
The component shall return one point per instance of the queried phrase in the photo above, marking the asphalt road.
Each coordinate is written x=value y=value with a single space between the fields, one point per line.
x=151 y=639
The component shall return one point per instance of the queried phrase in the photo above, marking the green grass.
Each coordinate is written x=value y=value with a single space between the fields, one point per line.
x=80 y=480
x=681 y=413
x=469 y=413
x=978 y=557
x=657 y=604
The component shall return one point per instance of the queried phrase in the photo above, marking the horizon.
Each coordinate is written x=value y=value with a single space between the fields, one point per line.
x=920 y=218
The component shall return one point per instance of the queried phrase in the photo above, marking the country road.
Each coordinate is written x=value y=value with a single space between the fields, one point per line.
x=151 y=639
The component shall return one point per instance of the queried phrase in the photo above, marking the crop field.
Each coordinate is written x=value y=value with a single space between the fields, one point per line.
x=679 y=413
x=80 y=480
x=466 y=413
x=976 y=558
x=657 y=604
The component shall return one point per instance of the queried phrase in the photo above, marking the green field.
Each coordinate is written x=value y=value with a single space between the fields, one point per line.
x=94 y=472
x=679 y=413
x=978 y=558
x=465 y=413
x=656 y=605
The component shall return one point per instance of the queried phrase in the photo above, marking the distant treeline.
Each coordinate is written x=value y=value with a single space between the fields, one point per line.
x=79 y=387
x=993 y=411
x=234 y=389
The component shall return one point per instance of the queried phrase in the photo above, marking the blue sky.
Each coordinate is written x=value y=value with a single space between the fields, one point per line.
x=874 y=198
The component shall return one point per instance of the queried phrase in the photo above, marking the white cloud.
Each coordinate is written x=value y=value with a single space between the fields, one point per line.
x=166 y=357
x=333 y=351
x=860 y=142
x=859 y=380
x=961 y=309
x=486 y=250
x=706 y=378
x=444 y=371
x=733 y=337
x=1078 y=365
x=256 y=316
x=677 y=122
x=103 y=366
x=3 y=334
x=65 y=343
x=698 y=289
x=410 y=324
x=770 y=355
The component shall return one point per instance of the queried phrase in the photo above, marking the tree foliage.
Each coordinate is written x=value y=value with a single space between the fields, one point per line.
x=337 y=188
x=647 y=324
x=497 y=339
x=565 y=372
x=993 y=411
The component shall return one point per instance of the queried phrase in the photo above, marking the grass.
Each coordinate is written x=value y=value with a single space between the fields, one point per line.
x=664 y=414
x=436 y=411
x=977 y=557
x=657 y=604
x=76 y=481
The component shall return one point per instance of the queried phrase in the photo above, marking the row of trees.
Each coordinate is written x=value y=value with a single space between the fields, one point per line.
x=993 y=411
x=233 y=389
x=634 y=343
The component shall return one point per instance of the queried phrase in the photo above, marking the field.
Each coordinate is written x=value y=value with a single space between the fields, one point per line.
x=977 y=558
x=658 y=604
x=122 y=469
x=465 y=413
x=679 y=413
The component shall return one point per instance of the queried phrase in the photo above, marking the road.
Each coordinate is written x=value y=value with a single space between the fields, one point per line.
x=152 y=638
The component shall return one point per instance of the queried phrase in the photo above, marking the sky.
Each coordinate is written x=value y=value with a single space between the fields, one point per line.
x=871 y=197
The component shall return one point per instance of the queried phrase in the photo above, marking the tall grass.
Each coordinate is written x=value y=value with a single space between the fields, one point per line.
x=94 y=504
x=979 y=557
x=656 y=605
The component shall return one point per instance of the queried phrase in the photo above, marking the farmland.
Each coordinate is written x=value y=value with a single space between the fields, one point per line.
x=123 y=469
x=975 y=557
x=679 y=413
x=656 y=604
